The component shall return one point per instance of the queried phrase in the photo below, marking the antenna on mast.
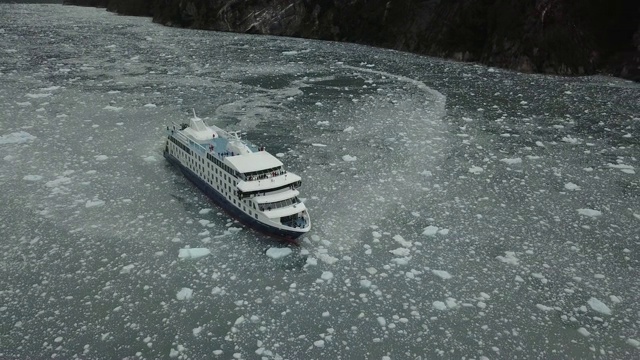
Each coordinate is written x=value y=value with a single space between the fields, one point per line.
x=194 y=113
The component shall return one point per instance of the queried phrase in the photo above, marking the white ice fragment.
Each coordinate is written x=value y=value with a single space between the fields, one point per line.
x=184 y=294
x=318 y=145
x=539 y=143
x=196 y=331
x=439 y=305
x=402 y=241
x=544 y=307
x=511 y=161
x=476 y=170
x=150 y=158
x=430 y=230
x=633 y=342
x=589 y=212
x=126 y=269
x=278 y=253
x=112 y=108
x=239 y=320
x=193 y=253
x=571 y=140
x=400 y=252
x=38 y=96
x=509 y=258
x=58 y=339
x=101 y=157
x=442 y=274
x=204 y=211
x=628 y=169
x=323 y=123
x=318 y=343
x=326 y=275
x=93 y=203
x=349 y=158
x=582 y=331
x=280 y=155
x=32 y=178
x=290 y=53
x=401 y=260
x=571 y=186
x=348 y=129
x=19 y=137
x=381 y=321
x=599 y=306
x=443 y=231
x=365 y=283
x=149 y=105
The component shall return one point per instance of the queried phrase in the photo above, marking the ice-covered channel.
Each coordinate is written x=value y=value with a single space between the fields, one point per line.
x=459 y=211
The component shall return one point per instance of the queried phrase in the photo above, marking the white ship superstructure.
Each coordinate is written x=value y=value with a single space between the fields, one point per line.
x=243 y=179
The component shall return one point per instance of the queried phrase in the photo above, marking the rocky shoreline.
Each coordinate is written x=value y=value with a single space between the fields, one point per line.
x=561 y=37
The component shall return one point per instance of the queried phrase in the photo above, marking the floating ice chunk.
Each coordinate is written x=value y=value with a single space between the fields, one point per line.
x=401 y=260
x=348 y=129
x=19 y=137
x=476 y=170
x=318 y=103
x=184 y=294
x=112 y=108
x=430 y=230
x=539 y=143
x=239 y=320
x=204 y=211
x=349 y=158
x=442 y=274
x=280 y=155
x=381 y=321
x=101 y=157
x=32 y=178
x=584 y=332
x=150 y=105
x=327 y=259
x=318 y=343
x=323 y=123
x=402 y=241
x=365 y=283
x=443 y=231
x=193 y=253
x=326 y=275
x=24 y=103
x=544 y=307
x=599 y=306
x=38 y=96
x=400 y=252
x=439 y=305
x=278 y=253
x=51 y=88
x=94 y=203
x=58 y=339
x=196 y=331
x=173 y=353
x=511 y=161
x=318 y=145
x=150 y=158
x=623 y=167
x=509 y=258
x=571 y=140
x=589 y=212
x=126 y=269
x=571 y=186
x=633 y=342
x=290 y=53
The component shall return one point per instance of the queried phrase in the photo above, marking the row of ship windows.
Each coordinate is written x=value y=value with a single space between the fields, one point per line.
x=225 y=188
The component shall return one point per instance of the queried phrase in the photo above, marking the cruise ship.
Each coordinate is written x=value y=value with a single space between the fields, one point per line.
x=245 y=180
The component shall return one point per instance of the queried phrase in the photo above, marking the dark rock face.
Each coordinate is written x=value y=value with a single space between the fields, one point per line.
x=564 y=37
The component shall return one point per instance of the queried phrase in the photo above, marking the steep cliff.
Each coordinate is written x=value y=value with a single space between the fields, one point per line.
x=548 y=36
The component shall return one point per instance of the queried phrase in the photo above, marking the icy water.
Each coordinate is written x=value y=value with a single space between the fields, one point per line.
x=458 y=211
